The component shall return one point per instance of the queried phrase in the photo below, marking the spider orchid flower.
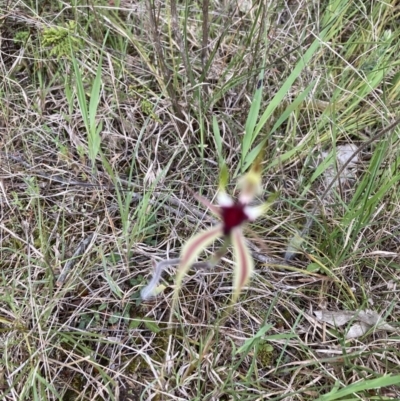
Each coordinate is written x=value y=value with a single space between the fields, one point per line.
x=233 y=216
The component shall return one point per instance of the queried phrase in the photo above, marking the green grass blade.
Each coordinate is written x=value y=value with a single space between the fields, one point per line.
x=363 y=385
x=251 y=121
x=95 y=95
x=284 y=89
x=292 y=107
x=218 y=141
x=285 y=115
x=80 y=92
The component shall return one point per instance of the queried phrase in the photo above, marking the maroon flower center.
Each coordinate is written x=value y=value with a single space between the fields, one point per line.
x=232 y=216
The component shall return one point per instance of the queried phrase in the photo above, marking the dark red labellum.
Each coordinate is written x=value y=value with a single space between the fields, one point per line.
x=232 y=216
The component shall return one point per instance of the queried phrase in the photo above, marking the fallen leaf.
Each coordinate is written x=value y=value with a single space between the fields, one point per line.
x=343 y=154
x=245 y=5
x=363 y=320
x=357 y=330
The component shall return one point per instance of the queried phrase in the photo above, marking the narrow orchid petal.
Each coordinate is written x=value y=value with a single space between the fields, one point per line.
x=150 y=290
x=253 y=212
x=244 y=262
x=193 y=248
x=206 y=203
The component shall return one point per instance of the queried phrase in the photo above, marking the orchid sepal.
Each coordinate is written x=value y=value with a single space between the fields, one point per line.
x=244 y=265
x=193 y=248
x=251 y=183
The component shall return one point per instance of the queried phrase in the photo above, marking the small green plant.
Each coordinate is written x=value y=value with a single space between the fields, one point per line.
x=89 y=110
x=147 y=108
x=60 y=39
x=265 y=353
x=21 y=36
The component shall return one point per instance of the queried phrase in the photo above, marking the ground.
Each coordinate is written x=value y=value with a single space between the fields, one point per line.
x=113 y=114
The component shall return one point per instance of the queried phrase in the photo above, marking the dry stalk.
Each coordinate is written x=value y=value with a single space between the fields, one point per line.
x=166 y=74
x=178 y=37
x=204 y=44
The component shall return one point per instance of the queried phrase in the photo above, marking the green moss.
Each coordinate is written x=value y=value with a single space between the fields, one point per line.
x=21 y=36
x=146 y=107
x=160 y=345
x=265 y=354
x=135 y=365
x=60 y=39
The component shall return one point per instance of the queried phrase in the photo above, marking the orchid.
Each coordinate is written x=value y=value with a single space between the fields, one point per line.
x=233 y=216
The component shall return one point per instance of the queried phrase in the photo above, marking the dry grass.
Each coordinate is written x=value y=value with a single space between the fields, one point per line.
x=89 y=336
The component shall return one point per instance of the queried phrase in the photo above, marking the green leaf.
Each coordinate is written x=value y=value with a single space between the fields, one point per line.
x=249 y=343
x=114 y=318
x=80 y=92
x=152 y=325
x=313 y=267
x=95 y=94
x=94 y=139
x=218 y=141
x=252 y=117
x=134 y=324
x=362 y=385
